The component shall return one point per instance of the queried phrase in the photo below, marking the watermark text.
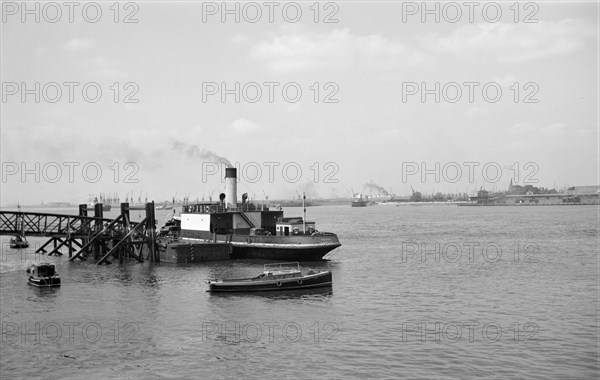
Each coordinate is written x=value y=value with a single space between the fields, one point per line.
x=455 y=332
x=70 y=332
x=271 y=332
x=470 y=11
x=471 y=92
x=53 y=12
x=270 y=11
x=71 y=92
x=454 y=252
x=54 y=172
x=254 y=92
x=454 y=172
x=290 y=172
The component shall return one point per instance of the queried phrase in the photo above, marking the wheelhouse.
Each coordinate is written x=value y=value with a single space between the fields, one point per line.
x=294 y=226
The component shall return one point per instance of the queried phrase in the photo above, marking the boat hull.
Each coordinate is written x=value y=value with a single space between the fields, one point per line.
x=179 y=251
x=283 y=248
x=19 y=242
x=41 y=282
x=323 y=279
x=290 y=253
x=19 y=245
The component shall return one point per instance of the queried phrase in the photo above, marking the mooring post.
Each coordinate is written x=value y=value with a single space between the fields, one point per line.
x=69 y=240
x=98 y=213
x=151 y=231
x=83 y=211
x=125 y=214
x=126 y=226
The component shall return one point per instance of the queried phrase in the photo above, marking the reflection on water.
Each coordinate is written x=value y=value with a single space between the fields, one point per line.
x=150 y=278
x=43 y=294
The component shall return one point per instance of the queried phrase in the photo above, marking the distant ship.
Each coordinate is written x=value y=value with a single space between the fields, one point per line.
x=360 y=200
x=230 y=230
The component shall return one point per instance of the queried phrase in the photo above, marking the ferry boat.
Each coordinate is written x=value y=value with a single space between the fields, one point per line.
x=251 y=230
x=43 y=275
x=282 y=276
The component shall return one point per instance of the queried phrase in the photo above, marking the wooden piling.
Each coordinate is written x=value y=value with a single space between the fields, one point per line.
x=98 y=213
x=125 y=214
x=126 y=224
x=151 y=231
x=69 y=239
x=83 y=211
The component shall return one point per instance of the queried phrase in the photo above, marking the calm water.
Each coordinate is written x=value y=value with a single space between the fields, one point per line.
x=419 y=292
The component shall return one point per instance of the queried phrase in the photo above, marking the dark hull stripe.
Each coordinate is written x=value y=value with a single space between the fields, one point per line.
x=43 y=283
x=286 y=254
x=248 y=289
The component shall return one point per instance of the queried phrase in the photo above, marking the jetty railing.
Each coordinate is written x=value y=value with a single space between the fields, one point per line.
x=41 y=224
x=84 y=235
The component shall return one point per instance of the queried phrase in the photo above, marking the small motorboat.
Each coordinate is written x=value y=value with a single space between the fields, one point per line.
x=283 y=276
x=43 y=275
x=19 y=241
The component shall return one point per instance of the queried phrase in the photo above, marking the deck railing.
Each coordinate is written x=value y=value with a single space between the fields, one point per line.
x=214 y=208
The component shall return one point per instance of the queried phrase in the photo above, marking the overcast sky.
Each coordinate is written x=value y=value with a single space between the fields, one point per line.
x=361 y=116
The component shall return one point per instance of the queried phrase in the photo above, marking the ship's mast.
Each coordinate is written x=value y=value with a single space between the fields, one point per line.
x=304 y=217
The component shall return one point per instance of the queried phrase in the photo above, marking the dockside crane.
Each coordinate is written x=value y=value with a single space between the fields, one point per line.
x=416 y=196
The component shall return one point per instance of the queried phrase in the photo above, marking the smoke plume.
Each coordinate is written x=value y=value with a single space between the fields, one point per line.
x=375 y=187
x=202 y=154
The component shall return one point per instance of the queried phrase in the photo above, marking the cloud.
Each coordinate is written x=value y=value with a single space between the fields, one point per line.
x=244 y=126
x=524 y=128
x=555 y=129
x=240 y=39
x=476 y=112
x=75 y=44
x=105 y=67
x=513 y=42
x=337 y=50
x=505 y=81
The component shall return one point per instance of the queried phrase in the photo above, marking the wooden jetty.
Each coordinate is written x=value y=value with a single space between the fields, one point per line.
x=84 y=235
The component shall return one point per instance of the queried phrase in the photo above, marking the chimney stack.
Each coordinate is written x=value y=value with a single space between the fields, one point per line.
x=231 y=187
